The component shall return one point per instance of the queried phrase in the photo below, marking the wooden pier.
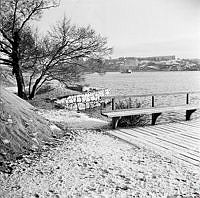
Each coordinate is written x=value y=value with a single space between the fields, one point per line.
x=180 y=140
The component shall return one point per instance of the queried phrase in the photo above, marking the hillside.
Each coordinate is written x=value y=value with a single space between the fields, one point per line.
x=6 y=78
x=22 y=129
x=151 y=64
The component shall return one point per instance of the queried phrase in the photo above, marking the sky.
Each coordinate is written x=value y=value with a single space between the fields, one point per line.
x=136 y=28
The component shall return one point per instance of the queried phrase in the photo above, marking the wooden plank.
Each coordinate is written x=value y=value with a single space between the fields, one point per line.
x=178 y=134
x=187 y=132
x=143 y=136
x=191 y=123
x=181 y=143
x=169 y=145
x=165 y=128
x=184 y=128
x=190 y=131
x=154 y=132
x=181 y=127
x=138 y=111
x=174 y=136
x=139 y=133
x=187 y=136
x=135 y=140
x=157 y=145
x=161 y=129
x=187 y=140
x=161 y=149
x=190 y=134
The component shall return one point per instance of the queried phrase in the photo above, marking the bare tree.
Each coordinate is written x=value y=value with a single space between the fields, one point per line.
x=61 y=54
x=15 y=17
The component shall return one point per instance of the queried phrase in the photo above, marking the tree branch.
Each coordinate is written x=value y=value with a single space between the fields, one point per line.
x=4 y=43
x=6 y=60
x=45 y=79
x=14 y=16
x=6 y=37
x=29 y=16
x=30 y=82
x=2 y=49
x=37 y=8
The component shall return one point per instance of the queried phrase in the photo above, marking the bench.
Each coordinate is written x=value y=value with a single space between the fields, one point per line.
x=116 y=115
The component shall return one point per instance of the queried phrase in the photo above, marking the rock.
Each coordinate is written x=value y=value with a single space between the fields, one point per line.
x=36 y=195
x=53 y=127
x=6 y=141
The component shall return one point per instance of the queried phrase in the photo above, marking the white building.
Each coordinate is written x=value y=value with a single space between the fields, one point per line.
x=129 y=65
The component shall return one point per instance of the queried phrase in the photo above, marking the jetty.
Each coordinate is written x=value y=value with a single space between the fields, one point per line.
x=180 y=139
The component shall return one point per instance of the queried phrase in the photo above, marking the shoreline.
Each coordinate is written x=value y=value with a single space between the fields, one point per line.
x=96 y=164
x=89 y=162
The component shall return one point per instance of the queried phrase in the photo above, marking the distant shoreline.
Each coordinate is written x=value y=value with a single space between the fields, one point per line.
x=102 y=73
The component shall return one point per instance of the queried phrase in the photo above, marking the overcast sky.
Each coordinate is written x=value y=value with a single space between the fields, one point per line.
x=137 y=27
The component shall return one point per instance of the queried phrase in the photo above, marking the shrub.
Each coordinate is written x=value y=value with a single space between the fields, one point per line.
x=129 y=121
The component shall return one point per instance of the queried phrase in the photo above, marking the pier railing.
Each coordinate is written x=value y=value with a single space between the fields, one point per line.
x=112 y=99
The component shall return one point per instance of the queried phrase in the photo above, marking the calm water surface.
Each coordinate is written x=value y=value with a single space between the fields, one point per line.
x=151 y=82
x=145 y=82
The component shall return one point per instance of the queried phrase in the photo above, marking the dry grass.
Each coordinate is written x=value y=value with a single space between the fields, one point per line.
x=22 y=129
x=86 y=163
x=95 y=165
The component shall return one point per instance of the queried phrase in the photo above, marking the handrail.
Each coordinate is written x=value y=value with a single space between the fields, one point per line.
x=146 y=95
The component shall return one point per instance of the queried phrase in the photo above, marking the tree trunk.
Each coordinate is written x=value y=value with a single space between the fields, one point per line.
x=33 y=91
x=16 y=67
x=20 y=84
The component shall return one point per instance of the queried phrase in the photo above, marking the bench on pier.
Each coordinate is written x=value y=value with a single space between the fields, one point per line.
x=116 y=115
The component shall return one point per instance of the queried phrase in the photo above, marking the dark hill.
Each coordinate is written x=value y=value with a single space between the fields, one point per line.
x=21 y=128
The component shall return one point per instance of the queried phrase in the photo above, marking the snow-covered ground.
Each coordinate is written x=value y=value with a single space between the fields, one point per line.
x=72 y=119
x=94 y=164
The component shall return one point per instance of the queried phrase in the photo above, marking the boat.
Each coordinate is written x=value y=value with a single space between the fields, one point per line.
x=129 y=71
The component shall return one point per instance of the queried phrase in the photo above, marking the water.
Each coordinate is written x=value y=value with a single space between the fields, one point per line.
x=151 y=82
x=145 y=82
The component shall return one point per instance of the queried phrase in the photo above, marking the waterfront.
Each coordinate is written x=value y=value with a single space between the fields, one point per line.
x=152 y=82
x=145 y=82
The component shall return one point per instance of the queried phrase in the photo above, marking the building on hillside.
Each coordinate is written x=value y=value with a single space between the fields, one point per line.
x=159 y=58
x=129 y=65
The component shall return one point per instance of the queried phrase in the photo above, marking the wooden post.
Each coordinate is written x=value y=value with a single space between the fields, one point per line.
x=77 y=106
x=113 y=103
x=189 y=113
x=103 y=105
x=115 y=121
x=152 y=101
x=154 y=118
x=129 y=105
x=187 y=98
